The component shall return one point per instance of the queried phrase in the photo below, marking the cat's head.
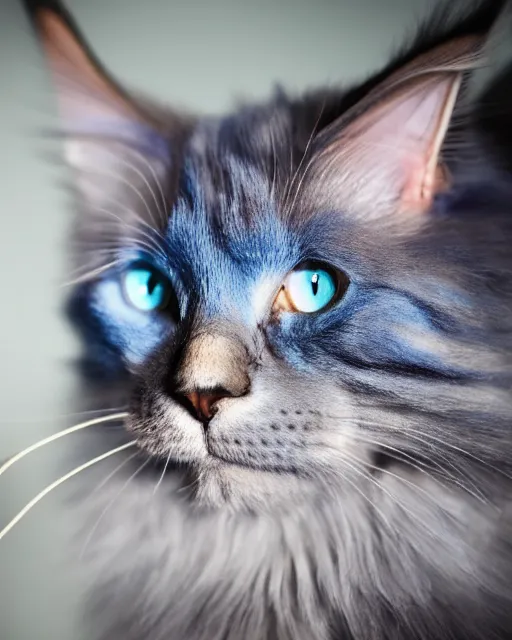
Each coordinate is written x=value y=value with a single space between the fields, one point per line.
x=300 y=294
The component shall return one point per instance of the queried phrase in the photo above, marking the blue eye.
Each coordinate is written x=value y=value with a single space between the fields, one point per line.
x=310 y=288
x=145 y=288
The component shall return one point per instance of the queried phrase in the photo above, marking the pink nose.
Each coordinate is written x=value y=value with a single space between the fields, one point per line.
x=204 y=402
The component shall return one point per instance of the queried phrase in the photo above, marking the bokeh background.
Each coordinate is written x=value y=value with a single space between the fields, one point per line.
x=203 y=55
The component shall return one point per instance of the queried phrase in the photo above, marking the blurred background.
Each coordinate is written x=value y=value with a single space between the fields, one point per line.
x=204 y=55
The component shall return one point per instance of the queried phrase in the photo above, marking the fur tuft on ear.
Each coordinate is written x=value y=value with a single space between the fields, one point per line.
x=384 y=154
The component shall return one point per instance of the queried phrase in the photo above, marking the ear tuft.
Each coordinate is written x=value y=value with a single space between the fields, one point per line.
x=384 y=155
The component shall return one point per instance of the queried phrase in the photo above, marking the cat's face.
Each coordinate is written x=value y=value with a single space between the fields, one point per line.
x=229 y=376
x=288 y=297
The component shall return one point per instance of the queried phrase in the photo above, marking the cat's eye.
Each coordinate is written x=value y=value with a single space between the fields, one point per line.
x=146 y=288
x=309 y=288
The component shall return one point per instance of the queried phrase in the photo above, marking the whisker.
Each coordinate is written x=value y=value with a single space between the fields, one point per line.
x=163 y=473
x=91 y=412
x=60 y=481
x=111 y=475
x=91 y=274
x=190 y=485
x=141 y=175
x=119 y=204
x=360 y=467
x=429 y=439
x=148 y=233
x=60 y=416
x=156 y=180
x=274 y=172
x=113 y=244
x=363 y=465
x=366 y=476
x=110 y=503
x=424 y=467
x=408 y=483
x=465 y=483
x=60 y=434
x=299 y=167
x=133 y=188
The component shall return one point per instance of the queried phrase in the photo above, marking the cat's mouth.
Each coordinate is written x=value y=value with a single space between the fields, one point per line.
x=253 y=464
x=257 y=452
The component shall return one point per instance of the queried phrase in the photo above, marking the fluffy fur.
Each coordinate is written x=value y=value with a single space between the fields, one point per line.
x=356 y=483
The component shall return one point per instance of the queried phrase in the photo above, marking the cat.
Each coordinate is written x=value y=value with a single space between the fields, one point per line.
x=306 y=307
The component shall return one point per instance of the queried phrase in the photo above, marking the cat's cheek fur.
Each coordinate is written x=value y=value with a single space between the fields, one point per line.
x=166 y=430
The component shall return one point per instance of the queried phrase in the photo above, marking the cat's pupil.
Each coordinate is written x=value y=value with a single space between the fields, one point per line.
x=152 y=283
x=314 y=283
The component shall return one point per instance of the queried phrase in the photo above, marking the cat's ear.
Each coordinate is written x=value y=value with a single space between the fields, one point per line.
x=90 y=101
x=384 y=155
x=85 y=92
x=118 y=146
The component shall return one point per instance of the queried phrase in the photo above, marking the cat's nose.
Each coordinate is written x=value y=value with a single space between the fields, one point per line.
x=204 y=402
x=211 y=367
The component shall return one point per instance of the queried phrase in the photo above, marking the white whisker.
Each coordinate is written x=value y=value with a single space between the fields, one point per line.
x=366 y=476
x=163 y=473
x=299 y=167
x=430 y=440
x=59 y=416
x=133 y=188
x=119 y=204
x=111 y=475
x=60 y=481
x=141 y=175
x=89 y=275
x=89 y=412
x=110 y=503
x=423 y=467
x=111 y=240
x=60 y=434
x=274 y=172
x=150 y=236
x=390 y=495
x=190 y=485
x=155 y=178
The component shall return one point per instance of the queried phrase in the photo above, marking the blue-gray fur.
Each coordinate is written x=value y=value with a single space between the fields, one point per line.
x=362 y=489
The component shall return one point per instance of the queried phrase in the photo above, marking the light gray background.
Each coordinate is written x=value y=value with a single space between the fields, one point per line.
x=195 y=54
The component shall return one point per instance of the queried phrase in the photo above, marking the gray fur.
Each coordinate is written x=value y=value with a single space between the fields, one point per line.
x=355 y=480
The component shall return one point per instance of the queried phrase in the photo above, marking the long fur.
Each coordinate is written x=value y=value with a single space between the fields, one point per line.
x=362 y=489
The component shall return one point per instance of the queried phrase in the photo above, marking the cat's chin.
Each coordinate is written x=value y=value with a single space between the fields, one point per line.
x=223 y=484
